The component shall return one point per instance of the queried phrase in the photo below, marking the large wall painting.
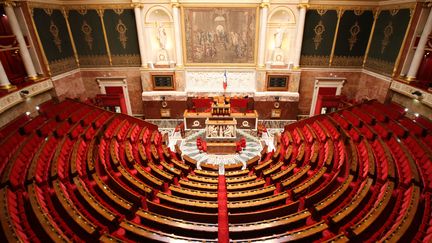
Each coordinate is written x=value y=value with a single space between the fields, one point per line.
x=220 y=35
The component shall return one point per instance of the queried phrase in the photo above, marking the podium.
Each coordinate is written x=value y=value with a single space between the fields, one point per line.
x=221 y=135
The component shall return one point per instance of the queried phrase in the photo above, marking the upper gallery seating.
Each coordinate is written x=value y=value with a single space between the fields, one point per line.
x=79 y=173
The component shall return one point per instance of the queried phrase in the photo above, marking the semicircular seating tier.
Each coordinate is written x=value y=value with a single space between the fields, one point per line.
x=79 y=173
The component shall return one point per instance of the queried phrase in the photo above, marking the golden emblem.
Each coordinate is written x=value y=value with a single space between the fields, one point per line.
x=87 y=30
x=354 y=31
x=388 y=31
x=319 y=30
x=121 y=29
x=55 y=33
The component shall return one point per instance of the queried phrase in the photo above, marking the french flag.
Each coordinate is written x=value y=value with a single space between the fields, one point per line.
x=225 y=81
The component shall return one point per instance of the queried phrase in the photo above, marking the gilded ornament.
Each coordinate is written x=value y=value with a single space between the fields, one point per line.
x=55 y=33
x=48 y=11
x=121 y=30
x=393 y=12
x=388 y=31
x=358 y=12
x=354 y=31
x=379 y=66
x=313 y=60
x=87 y=30
x=319 y=30
x=321 y=12
x=82 y=10
x=118 y=11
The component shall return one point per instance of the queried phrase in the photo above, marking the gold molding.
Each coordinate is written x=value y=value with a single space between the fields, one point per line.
x=303 y=5
x=376 y=15
x=66 y=16
x=264 y=5
x=8 y=87
x=63 y=65
x=396 y=64
x=340 y=12
x=99 y=6
x=336 y=7
x=45 y=59
x=100 y=12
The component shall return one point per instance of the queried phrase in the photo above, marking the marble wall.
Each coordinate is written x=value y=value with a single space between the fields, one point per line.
x=359 y=85
x=307 y=83
x=69 y=85
x=132 y=75
x=372 y=87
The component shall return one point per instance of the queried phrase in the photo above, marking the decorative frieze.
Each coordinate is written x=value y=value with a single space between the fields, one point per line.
x=21 y=95
x=412 y=92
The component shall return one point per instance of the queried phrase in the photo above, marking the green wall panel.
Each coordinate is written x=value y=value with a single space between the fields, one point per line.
x=316 y=48
x=122 y=37
x=89 y=38
x=54 y=36
x=387 y=40
x=352 y=39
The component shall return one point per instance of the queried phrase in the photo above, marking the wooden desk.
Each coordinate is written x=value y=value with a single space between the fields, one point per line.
x=221 y=148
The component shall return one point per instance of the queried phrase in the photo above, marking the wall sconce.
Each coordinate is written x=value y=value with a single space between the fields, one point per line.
x=164 y=103
x=276 y=103
x=417 y=95
x=24 y=93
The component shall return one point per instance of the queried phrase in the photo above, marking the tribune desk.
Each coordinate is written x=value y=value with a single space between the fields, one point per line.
x=196 y=120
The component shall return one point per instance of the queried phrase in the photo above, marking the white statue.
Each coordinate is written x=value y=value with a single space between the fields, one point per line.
x=278 y=37
x=162 y=37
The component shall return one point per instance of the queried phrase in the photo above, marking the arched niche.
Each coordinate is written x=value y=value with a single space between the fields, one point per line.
x=281 y=32
x=158 y=14
x=281 y=16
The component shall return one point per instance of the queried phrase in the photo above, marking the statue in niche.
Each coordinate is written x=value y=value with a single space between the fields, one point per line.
x=162 y=37
x=162 y=53
x=278 y=37
x=278 y=54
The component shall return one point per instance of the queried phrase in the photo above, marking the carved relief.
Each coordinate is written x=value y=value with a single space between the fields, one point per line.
x=208 y=81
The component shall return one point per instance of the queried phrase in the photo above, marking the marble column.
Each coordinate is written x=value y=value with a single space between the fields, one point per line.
x=262 y=34
x=25 y=54
x=177 y=33
x=140 y=33
x=418 y=55
x=4 y=81
x=299 y=36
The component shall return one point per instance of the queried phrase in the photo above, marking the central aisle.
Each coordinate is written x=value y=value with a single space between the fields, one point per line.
x=223 y=228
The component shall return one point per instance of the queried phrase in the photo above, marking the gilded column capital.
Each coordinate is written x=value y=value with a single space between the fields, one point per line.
x=137 y=5
x=65 y=12
x=265 y=4
x=303 y=5
x=9 y=4
x=100 y=12
x=175 y=4
x=376 y=12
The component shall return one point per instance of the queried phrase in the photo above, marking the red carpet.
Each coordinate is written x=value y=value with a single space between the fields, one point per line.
x=223 y=230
